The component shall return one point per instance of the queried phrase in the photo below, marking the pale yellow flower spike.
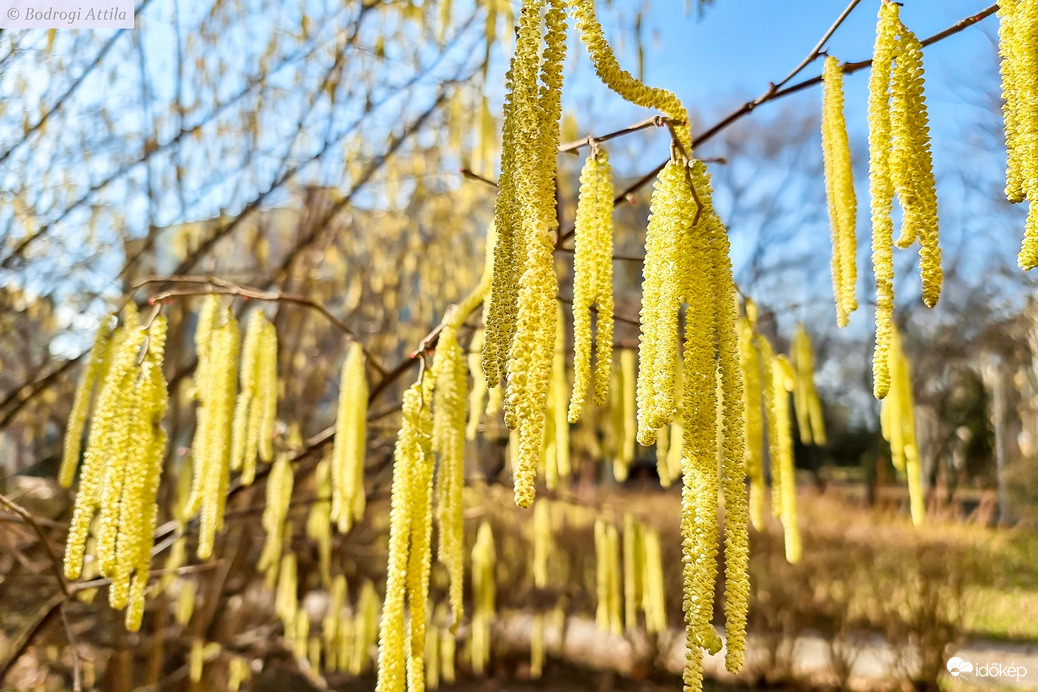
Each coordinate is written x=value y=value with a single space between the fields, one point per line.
x=898 y=416
x=783 y=383
x=81 y=403
x=478 y=395
x=803 y=362
x=351 y=441
x=700 y=490
x=912 y=165
x=657 y=348
x=392 y=652
x=279 y=497
x=839 y=187
x=245 y=429
x=484 y=596
x=750 y=362
x=449 y=441
x=139 y=509
x=634 y=570
x=623 y=82
x=531 y=352
x=557 y=461
x=108 y=446
x=207 y=319
x=420 y=555
x=517 y=158
x=604 y=279
x=1011 y=108
x=268 y=395
x=732 y=446
x=541 y=542
x=218 y=406
x=882 y=190
x=585 y=282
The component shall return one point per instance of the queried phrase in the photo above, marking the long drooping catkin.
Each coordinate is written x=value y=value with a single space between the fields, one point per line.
x=881 y=189
x=81 y=403
x=911 y=166
x=783 y=466
x=351 y=443
x=623 y=82
x=839 y=187
x=593 y=282
x=1018 y=31
x=413 y=444
x=657 y=344
x=898 y=424
x=805 y=395
x=449 y=443
x=530 y=351
x=221 y=379
x=753 y=402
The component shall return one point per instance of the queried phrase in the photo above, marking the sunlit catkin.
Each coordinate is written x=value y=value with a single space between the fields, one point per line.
x=530 y=352
x=753 y=403
x=108 y=445
x=805 y=398
x=217 y=409
x=622 y=81
x=249 y=408
x=484 y=595
x=517 y=160
x=654 y=595
x=839 y=188
x=541 y=542
x=81 y=403
x=783 y=382
x=478 y=395
x=593 y=282
x=1018 y=31
x=279 y=498
x=657 y=344
x=911 y=165
x=350 y=441
x=898 y=418
x=881 y=189
x=448 y=438
x=634 y=569
x=557 y=442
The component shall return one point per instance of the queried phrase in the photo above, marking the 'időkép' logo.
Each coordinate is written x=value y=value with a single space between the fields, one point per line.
x=960 y=669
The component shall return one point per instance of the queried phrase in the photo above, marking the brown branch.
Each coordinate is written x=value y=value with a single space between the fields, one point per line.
x=217 y=286
x=472 y=175
x=576 y=145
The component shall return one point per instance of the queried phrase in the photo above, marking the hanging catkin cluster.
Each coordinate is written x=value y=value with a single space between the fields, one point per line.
x=593 y=282
x=401 y=663
x=899 y=162
x=808 y=405
x=254 y=412
x=484 y=596
x=713 y=430
x=520 y=330
x=123 y=460
x=1018 y=36
x=216 y=380
x=897 y=419
x=753 y=418
x=449 y=442
x=351 y=442
x=556 y=442
x=839 y=190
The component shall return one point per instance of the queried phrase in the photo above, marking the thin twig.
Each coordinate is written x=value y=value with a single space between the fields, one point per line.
x=222 y=287
x=576 y=145
x=472 y=175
